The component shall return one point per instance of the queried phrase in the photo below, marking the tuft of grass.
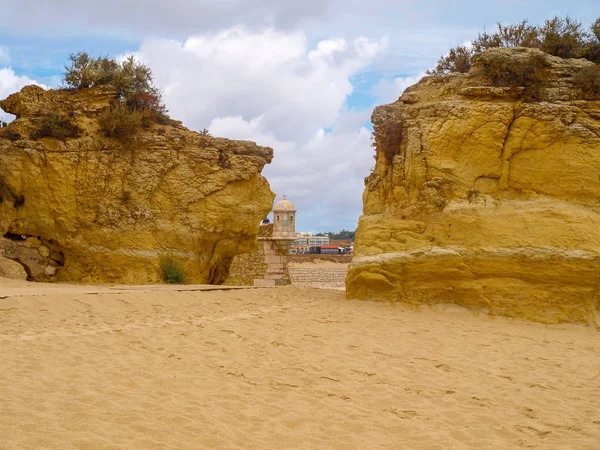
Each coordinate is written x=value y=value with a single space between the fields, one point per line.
x=172 y=271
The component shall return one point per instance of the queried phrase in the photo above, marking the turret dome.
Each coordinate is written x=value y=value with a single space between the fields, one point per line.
x=284 y=205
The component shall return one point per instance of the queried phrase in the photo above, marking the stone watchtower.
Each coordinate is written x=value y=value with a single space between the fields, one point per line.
x=284 y=218
x=267 y=266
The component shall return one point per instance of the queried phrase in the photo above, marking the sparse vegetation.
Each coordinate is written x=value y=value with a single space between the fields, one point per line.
x=503 y=71
x=562 y=37
x=172 y=271
x=588 y=80
x=120 y=122
x=54 y=125
x=132 y=79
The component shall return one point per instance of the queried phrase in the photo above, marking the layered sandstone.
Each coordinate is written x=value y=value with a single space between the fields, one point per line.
x=97 y=209
x=484 y=198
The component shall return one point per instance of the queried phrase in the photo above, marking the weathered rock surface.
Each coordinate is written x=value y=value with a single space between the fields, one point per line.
x=96 y=209
x=11 y=269
x=482 y=199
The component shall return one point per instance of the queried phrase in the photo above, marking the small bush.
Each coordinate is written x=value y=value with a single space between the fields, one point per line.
x=172 y=271
x=150 y=106
x=120 y=122
x=563 y=37
x=458 y=60
x=506 y=72
x=54 y=125
x=131 y=78
x=588 y=80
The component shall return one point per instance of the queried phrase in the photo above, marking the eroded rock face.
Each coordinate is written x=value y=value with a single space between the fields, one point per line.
x=485 y=200
x=105 y=210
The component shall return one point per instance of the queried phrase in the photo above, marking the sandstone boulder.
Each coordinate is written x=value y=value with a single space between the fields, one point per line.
x=11 y=269
x=95 y=209
x=485 y=197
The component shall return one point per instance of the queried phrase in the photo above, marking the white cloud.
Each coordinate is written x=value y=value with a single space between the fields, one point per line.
x=269 y=74
x=323 y=176
x=271 y=87
x=10 y=83
x=155 y=17
x=388 y=91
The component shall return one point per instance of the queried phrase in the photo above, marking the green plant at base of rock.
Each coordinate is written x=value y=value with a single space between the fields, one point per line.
x=172 y=271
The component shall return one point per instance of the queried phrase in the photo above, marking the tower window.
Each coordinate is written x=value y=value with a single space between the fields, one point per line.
x=291 y=218
x=278 y=217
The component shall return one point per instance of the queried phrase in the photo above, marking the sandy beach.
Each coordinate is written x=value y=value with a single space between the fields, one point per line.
x=157 y=367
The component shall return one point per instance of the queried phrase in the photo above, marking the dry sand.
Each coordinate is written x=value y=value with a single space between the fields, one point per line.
x=152 y=367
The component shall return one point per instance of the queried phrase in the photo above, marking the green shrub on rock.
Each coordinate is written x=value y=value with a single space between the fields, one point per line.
x=588 y=80
x=563 y=37
x=54 y=125
x=119 y=121
x=132 y=79
x=522 y=72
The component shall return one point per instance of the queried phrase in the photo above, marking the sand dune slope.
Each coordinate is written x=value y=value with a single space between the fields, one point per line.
x=285 y=368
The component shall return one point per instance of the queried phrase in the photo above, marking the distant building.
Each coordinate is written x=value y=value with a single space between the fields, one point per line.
x=308 y=240
x=330 y=249
x=318 y=241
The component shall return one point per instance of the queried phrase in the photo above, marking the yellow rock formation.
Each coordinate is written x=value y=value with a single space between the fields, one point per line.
x=484 y=199
x=95 y=209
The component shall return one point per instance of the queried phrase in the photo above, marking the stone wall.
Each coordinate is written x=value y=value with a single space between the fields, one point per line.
x=315 y=257
x=248 y=267
x=320 y=277
x=266 y=266
x=275 y=250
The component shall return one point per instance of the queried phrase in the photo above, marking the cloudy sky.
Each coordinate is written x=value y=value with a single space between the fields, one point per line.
x=299 y=76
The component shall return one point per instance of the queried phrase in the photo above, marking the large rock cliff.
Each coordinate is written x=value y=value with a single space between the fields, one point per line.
x=96 y=209
x=486 y=196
